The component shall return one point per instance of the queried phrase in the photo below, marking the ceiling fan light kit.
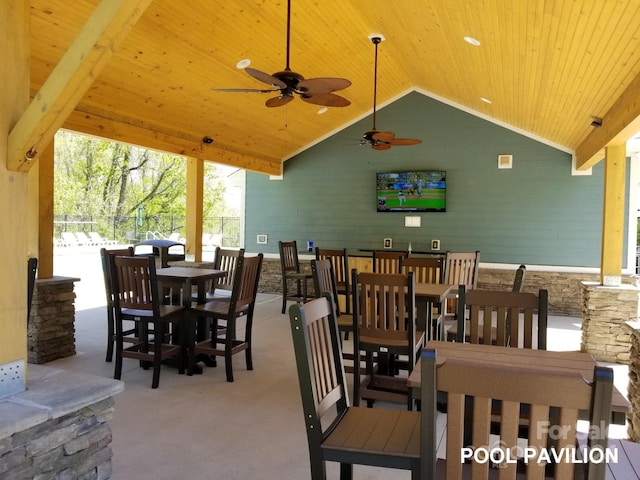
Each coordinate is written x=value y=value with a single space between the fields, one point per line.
x=287 y=83
x=380 y=140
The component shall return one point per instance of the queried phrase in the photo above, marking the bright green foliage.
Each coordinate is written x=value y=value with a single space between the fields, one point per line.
x=101 y=179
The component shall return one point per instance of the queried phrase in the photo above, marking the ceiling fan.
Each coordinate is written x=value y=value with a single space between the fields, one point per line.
x=287 y=83
x=377 y=139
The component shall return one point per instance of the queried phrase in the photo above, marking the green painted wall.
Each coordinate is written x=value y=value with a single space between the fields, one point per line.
x=536 y=213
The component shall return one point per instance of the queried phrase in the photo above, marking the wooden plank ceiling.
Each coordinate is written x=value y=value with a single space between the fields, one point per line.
x=548 y=67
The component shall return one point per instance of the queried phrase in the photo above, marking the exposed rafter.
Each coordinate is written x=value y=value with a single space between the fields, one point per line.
x=73 y=75
x=619 y=124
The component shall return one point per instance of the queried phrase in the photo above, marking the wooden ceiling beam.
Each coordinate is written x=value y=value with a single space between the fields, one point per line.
x=165 y=141
x=619 y=124
x=90 y=51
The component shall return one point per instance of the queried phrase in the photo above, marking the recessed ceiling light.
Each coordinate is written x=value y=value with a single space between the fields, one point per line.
x=322 y=110
x=472 y=41
x=485 y=100
x=243 y=63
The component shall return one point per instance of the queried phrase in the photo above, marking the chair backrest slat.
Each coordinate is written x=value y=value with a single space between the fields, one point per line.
x=461 y=268
x=385 y=305
x=553 y=401
x=515 y=319
x=136 y=283
x=245 y=285
x=387 y=262
x=227 y=260
x=105 y=254
x=289 y=257
x=425 y=269
x=324 y=280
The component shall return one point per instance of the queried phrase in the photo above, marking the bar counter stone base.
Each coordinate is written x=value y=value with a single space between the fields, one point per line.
x=58 y=428
x=605 y=311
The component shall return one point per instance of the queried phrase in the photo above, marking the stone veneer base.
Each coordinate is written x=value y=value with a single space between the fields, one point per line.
x=606 y=309
x=58 y=427
x=633 y=391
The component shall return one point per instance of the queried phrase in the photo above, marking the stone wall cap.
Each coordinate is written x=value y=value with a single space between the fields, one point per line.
x=52 y=393
x=56 y=279
x=599 y=286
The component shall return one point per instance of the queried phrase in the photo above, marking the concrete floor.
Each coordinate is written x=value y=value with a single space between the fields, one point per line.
x=205 y=428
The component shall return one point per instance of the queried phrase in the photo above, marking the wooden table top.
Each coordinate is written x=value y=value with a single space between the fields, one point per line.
x=189 y=273
x=433 y=291
x=525 y=358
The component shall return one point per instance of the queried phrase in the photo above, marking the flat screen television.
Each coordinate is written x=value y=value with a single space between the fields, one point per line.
x=412 y=191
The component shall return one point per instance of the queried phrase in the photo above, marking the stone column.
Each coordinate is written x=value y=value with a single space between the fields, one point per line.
x=633 y=392
x=605 y=311
x=51 y=330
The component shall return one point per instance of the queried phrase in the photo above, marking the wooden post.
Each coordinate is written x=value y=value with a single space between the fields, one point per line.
x=195 y=195
x=45 y=212
x=14 y=98
x=613 y=214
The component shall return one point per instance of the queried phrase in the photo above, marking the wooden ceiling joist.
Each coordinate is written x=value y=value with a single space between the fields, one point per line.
x=73 y=75
x=165 y=141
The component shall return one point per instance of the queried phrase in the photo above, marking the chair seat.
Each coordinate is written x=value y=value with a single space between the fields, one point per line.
x=360 y=427
x=388 y=342
x=219 y=306
x=345 y=321
x=165 y=311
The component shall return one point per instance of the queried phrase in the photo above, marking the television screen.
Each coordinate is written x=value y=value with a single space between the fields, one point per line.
x=412 y=191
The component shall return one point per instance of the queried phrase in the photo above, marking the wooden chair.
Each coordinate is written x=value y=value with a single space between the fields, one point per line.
x=225 y=259
x=550 y=400
x=324 y=281
x=291 y=273
x=224 y=341
x=384 y=325
x=387 y=262
x=460 y=268
x=425 y=269
x=517 y=319
x=337 y=432
x=108 y=290
x=136 y=298
x=340 y=261
x=518 y=280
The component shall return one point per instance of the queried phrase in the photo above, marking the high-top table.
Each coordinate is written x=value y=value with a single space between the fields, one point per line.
x=559 y=363
x=427 y=296
x=188 y=277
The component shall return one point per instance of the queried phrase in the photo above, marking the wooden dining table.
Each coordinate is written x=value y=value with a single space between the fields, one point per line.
x=188 y=277
x=566 y=362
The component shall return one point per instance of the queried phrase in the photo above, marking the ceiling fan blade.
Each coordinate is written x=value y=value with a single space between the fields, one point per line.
x=278 y=101
x=381 y=146
x=383 y=136
x=322 y=85
x=266 y=78
x=405 y=141
x=244 y=90
x=326 y=99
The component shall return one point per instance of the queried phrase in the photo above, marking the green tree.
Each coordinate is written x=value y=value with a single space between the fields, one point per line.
x=103 y=179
